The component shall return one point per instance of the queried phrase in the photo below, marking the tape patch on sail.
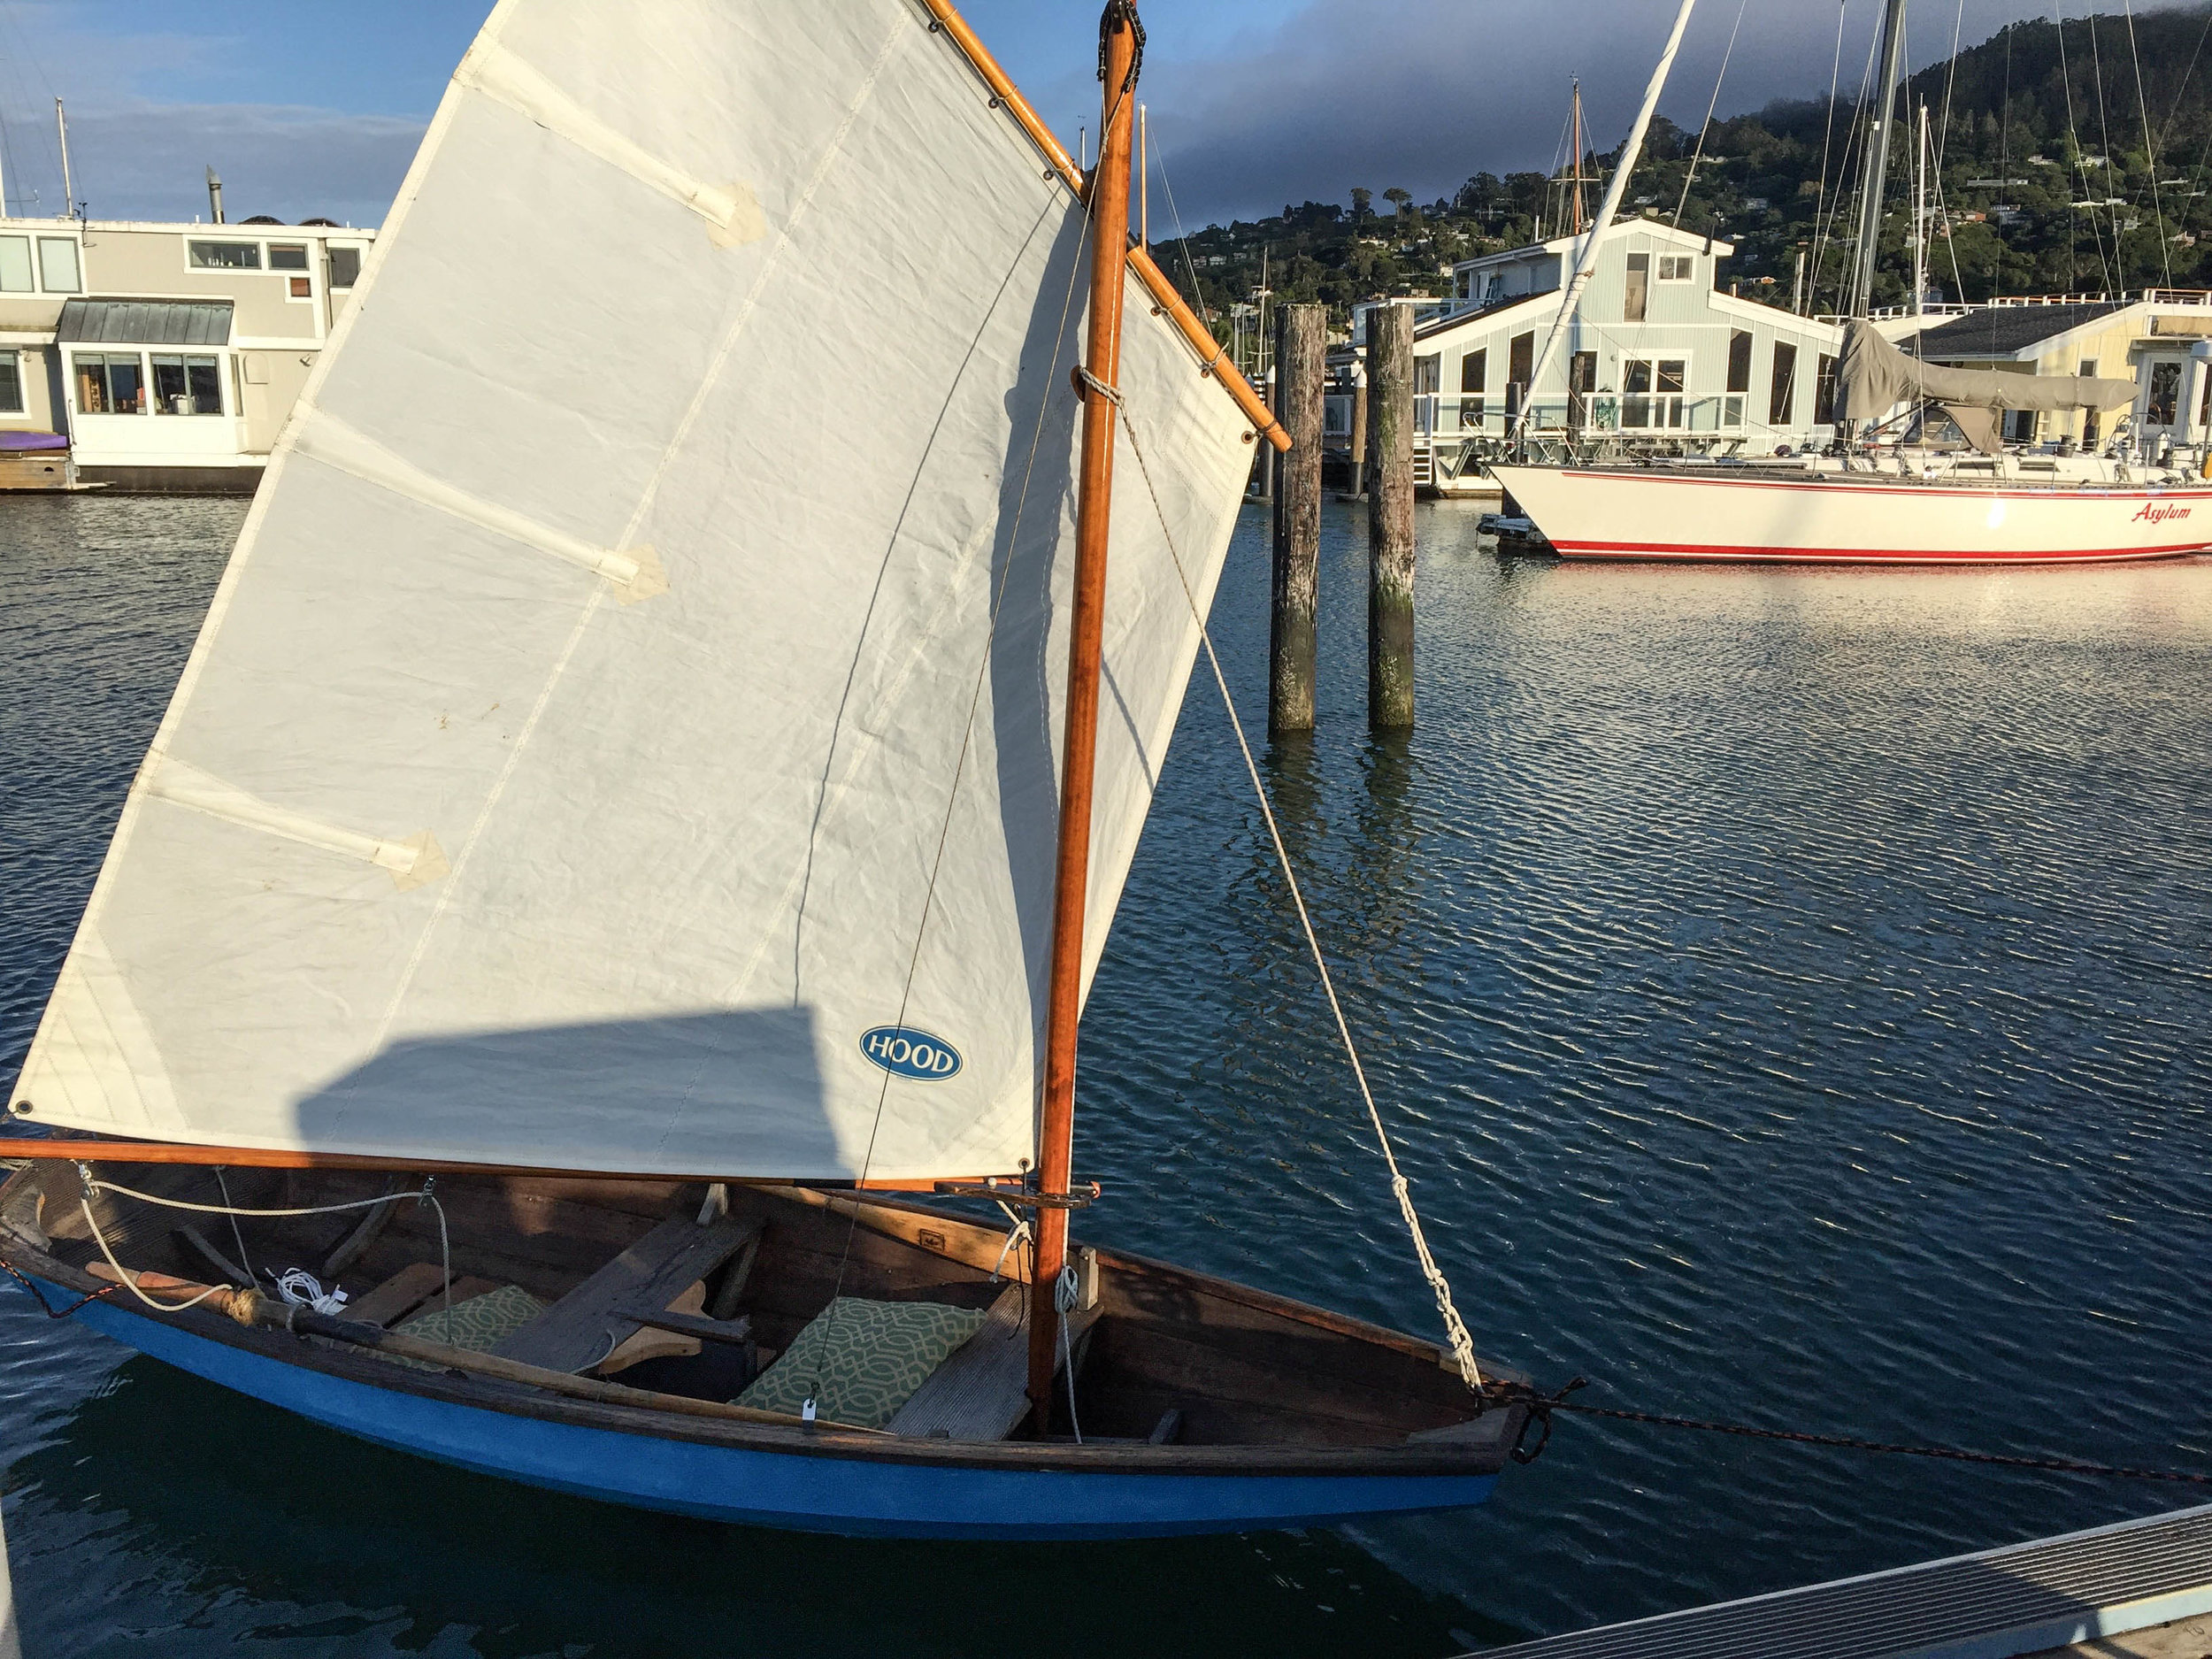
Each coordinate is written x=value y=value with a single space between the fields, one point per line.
x=414 y=861
x=635 y=572
x=731 y=211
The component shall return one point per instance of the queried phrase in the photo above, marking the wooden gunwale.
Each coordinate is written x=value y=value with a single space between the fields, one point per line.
x=1171 y=303
x=846 y=1201
x=1413 y=1458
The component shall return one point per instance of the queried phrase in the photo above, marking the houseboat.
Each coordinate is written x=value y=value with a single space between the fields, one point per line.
x=160 y=357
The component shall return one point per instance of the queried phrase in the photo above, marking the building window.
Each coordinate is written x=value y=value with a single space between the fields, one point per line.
x=15 y=264
x=11 y=382
x=1520 y=363
x=2165 y=394
x=1638 y=290
x=57 y=264
x=1677 y=267
x=1825 y=392
x=110 y=383
x=226 y=256
x=187 y=386
x=1652 y=392
x=1738 y=377
x=2090 y=417
x=345 y=267
x=287 y=257
x=1782 y=391
x=1474 y=376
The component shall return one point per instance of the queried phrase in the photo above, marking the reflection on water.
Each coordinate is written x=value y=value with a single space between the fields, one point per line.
x=1785 y=987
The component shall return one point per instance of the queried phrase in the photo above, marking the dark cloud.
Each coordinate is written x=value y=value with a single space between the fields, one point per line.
x=1424 y=93
x=149 y=160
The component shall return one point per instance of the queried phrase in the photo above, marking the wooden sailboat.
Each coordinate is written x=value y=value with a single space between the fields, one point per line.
x=622 y=824
x=1977 y=505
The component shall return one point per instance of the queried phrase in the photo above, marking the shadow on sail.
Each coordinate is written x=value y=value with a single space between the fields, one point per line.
x=1035 y=498
x=733 y=1087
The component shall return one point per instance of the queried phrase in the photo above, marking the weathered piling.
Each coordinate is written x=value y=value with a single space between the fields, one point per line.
x=1390 y=517
x=1301 y=371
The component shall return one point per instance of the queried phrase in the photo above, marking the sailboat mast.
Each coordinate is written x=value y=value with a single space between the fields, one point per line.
x=1120 y=36
x=1877 y=157
x=1575 y=162
x=1586 y=258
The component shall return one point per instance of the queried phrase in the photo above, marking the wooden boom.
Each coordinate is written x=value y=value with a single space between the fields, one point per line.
x=1170 y=304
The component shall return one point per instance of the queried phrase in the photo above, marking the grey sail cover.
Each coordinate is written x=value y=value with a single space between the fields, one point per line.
x=626 y=736
x=1873 y=377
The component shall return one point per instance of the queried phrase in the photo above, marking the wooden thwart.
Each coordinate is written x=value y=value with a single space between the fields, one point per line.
x=596 y=1317
x=980 y=1393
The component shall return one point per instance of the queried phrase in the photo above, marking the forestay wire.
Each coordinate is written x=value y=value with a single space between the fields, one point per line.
x=1462 y=1345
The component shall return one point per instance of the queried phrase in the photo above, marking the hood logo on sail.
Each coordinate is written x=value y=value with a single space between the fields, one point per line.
x=903 y=1051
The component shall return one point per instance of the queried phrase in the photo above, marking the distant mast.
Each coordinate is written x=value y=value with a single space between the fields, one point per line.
x=1587 y=255
x=1878 y=158
x=68 y=189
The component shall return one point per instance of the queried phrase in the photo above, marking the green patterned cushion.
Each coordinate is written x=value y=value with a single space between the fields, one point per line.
x=479 y=1325
x=860 y=1359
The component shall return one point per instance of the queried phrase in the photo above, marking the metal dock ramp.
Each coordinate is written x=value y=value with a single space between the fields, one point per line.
x=1994 y=1605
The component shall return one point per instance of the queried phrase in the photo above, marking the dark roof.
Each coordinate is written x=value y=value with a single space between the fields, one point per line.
x=1505 y=302
x=2003 y=330
x=146 y=322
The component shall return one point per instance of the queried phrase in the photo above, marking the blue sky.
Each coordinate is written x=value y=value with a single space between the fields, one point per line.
x=314 y=106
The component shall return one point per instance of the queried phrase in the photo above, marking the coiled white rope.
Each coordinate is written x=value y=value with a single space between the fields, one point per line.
x=1462 y=1345
x=424 y=1194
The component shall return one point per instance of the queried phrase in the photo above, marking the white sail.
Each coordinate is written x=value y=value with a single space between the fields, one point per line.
x=602 y=728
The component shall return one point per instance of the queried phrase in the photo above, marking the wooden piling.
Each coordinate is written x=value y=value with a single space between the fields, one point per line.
x=1300 y=378
x=1390 y=517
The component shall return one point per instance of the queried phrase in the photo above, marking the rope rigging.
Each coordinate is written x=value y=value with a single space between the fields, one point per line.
x=1462 y=1345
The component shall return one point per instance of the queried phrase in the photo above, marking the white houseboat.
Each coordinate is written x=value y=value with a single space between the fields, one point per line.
x=1660 y=359
x=167 y=356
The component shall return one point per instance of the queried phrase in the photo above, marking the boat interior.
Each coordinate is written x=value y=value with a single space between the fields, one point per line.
x=890 y=1315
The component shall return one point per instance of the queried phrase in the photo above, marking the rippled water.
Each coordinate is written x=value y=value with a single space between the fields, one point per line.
x=1788 y=988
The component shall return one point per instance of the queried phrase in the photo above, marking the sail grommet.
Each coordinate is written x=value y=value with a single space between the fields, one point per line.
x=22 y=1109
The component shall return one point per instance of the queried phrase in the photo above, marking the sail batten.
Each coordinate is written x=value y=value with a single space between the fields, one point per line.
x=652 y=577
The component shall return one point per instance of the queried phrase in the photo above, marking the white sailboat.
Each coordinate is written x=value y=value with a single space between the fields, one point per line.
x=1907 y=504
x=605 y=846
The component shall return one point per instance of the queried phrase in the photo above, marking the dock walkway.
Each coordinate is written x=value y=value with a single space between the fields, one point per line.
x=1996 y=1604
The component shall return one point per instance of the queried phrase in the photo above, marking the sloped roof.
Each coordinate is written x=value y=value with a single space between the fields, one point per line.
x=2006 y=330
x=145 y=322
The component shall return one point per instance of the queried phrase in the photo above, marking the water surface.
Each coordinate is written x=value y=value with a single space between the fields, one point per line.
x=1785 y=986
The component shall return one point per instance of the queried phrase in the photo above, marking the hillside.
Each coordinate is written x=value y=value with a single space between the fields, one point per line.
x=2047 y=186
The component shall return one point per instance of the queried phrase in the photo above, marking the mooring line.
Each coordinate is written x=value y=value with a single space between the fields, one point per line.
x=1541 y=1406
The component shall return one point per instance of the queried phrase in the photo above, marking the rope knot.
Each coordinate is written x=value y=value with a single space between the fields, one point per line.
x=1087 y=384
x=1495 y=1396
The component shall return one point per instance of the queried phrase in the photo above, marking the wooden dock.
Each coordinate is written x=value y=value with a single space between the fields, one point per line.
x=2111 y=1587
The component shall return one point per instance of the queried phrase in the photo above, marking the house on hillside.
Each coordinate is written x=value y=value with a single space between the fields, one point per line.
x=1659 y=359
x=2153 y=339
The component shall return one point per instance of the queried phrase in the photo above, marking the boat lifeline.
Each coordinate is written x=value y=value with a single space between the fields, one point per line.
x=1972 y=504
x=597 y=818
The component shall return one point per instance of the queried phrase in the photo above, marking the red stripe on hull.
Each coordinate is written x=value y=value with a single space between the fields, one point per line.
x=1856 y=555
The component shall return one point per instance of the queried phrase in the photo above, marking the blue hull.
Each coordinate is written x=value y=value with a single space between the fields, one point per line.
x=867 y=1497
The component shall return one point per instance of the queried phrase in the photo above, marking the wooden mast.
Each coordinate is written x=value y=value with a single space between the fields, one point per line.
x=1119 y=34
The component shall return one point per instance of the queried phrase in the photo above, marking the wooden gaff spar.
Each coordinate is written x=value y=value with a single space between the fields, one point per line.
x=670 y=947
